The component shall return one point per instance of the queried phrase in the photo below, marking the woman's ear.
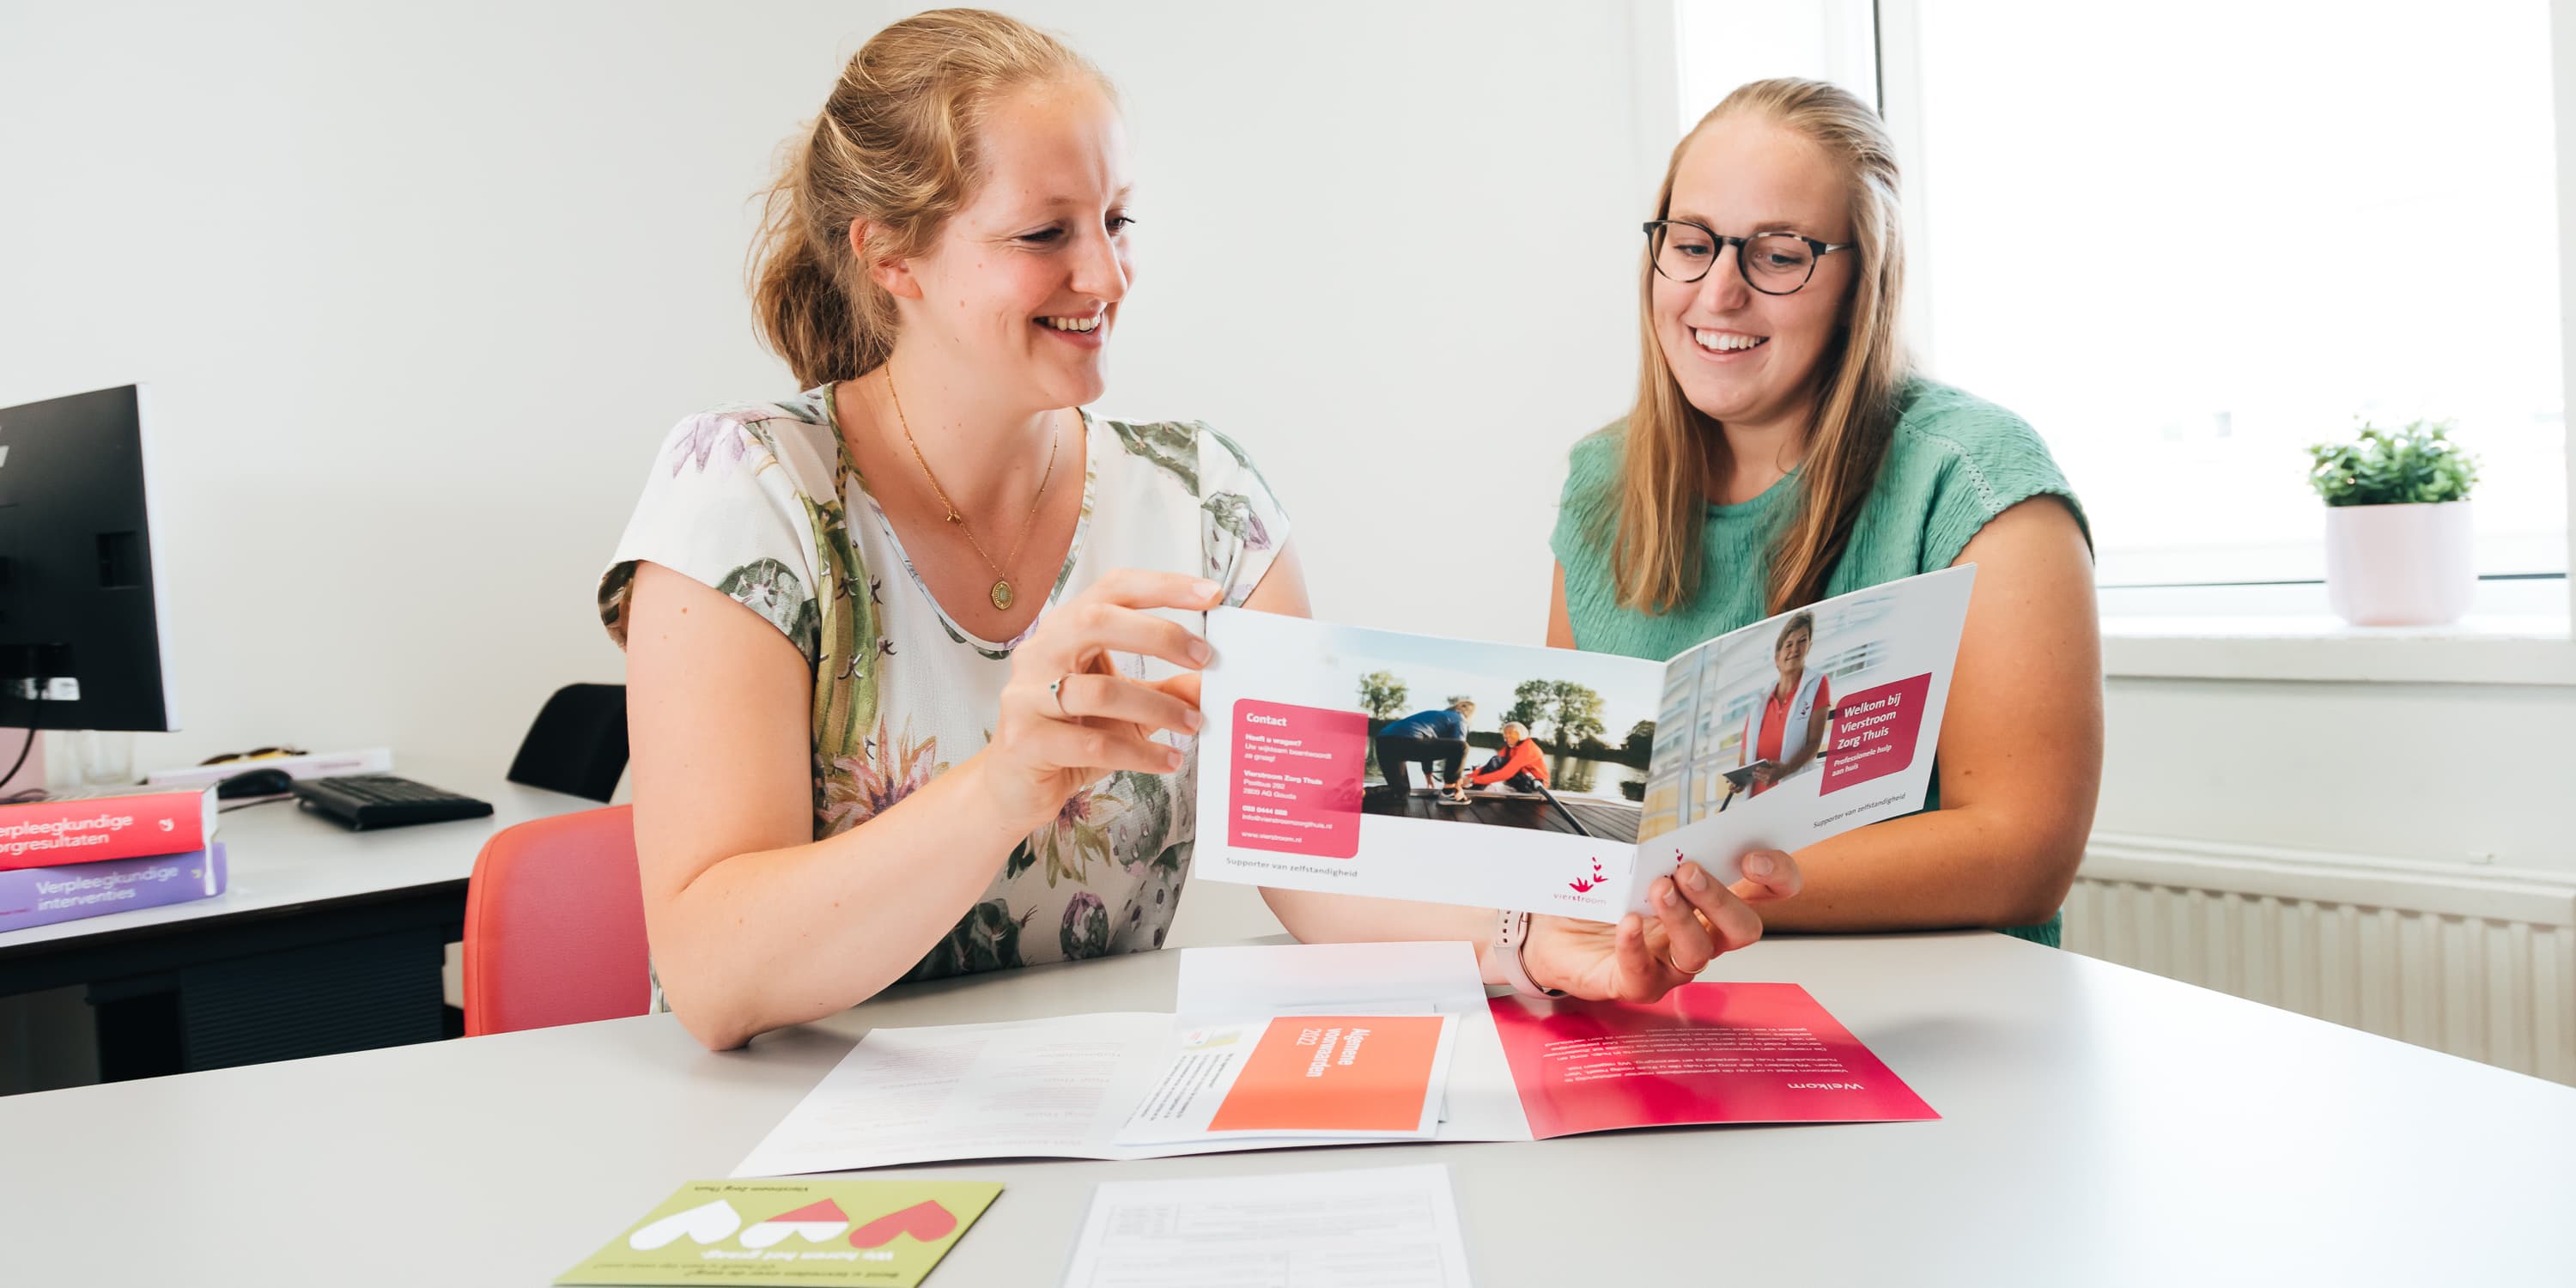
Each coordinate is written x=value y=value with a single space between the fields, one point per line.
x=894 y=276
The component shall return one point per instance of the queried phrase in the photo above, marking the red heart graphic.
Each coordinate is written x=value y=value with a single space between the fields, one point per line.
x=924 y=1221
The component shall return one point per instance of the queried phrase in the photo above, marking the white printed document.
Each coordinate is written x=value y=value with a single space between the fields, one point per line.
x=1368 y=762
x=1054 y=1088
x=1393 y=1227
x=1277 y=1045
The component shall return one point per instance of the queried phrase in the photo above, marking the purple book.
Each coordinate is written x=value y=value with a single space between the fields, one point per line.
x=43 y=896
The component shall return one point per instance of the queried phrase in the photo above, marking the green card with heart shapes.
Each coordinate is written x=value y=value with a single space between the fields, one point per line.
x=792 y=1232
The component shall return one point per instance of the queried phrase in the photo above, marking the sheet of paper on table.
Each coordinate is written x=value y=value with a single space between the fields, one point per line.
x=1065 y=1087
x=1392 y=1227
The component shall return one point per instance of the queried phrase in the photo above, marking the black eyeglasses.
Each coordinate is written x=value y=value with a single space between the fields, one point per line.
x=1772 y=263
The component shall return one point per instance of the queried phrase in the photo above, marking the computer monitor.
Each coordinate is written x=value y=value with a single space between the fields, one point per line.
x=81 y=636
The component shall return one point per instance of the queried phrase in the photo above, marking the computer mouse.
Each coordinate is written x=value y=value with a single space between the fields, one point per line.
x=255 y=782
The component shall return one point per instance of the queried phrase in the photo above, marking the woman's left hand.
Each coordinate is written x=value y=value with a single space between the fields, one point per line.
x=1642 y=958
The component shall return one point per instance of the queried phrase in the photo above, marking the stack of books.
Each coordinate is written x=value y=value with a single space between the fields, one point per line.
x=67 y=857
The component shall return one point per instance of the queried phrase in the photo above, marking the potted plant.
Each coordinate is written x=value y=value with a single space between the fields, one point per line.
x=2398 y=549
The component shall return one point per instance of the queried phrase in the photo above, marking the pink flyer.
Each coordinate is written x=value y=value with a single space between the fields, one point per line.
x=1707 y=1053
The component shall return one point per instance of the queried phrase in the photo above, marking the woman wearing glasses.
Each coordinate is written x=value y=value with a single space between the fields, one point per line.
x=1782 y=451
x=912 y=679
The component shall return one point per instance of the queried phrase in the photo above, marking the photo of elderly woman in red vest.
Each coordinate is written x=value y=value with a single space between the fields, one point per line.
x=1784 y=736
x=1518 y=765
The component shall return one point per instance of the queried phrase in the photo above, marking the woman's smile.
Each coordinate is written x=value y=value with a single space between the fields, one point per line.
x=1081 y=330
x=1725 y=346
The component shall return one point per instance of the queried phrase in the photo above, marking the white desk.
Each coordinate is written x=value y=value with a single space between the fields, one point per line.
x=323 y=940
x=2101 y=1126
x=283 y=858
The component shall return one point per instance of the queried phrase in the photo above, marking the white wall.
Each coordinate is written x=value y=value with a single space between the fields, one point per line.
x=418 y=288
x=2441 y=773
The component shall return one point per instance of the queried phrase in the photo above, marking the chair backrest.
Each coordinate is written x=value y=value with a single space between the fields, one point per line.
x=554 y=925
x=577 y=744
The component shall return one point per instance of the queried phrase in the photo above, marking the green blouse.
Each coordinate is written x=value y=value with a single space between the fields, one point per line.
x=1954 y=462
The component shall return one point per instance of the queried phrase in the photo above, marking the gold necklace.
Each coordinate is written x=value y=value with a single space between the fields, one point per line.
x=1002 y=595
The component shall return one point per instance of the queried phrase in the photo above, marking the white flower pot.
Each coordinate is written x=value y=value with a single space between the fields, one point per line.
x=2400 y=565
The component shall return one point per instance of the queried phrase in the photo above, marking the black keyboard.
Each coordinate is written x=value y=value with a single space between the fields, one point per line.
x=363 y=801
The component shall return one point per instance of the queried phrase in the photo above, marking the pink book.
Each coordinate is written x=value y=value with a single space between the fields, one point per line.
x=1707 y=1053
x=127 y=823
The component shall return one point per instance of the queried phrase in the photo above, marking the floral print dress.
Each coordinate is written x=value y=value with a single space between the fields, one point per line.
x=762 y=503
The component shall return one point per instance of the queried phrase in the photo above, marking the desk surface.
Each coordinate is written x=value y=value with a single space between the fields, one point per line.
x=283 y=858
x=2100 y=1126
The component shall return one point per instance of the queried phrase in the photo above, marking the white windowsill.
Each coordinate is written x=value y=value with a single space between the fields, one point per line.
x=2518 y=633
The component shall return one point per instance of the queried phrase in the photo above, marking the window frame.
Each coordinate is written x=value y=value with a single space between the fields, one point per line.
x=2241 y=632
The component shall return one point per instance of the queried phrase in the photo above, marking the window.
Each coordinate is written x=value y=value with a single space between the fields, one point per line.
x=1725 y=43
x=2187 y=240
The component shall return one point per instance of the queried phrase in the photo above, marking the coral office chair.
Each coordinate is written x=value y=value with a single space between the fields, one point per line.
x=554 y=925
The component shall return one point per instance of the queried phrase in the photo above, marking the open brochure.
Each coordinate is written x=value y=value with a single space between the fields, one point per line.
x=1155 y=1084
x=1414 y=767
x=1430 y=1059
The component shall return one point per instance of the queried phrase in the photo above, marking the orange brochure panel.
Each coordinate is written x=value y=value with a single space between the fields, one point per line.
x=1335 y=1073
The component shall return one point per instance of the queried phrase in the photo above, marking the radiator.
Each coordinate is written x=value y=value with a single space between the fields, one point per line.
x=2476 y=961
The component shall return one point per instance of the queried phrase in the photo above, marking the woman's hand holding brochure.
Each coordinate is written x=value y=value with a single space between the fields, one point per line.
x=1067 y=716
x=1639 y=959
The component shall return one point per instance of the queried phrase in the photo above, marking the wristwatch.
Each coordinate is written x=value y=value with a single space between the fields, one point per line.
x=1511 y=934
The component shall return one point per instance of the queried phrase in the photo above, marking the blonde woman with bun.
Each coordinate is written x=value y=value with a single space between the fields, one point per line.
x=913 y=679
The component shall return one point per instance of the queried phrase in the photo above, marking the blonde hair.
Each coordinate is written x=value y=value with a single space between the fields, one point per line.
x=1670 y=448
x=1464 y=706
x=895 y=145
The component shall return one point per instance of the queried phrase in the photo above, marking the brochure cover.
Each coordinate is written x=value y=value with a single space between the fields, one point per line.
x=791 y=1232
x=1343 y=1076
x=1706 y=1053
x=1415 y=767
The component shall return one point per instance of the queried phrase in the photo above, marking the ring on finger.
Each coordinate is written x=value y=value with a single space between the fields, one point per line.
x=1057 y=689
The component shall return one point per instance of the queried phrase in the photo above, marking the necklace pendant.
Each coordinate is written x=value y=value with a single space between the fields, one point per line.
x=1002 y=596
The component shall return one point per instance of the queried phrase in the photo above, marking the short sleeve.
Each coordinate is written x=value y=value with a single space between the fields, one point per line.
x=1990 y=460
x=721 y=508
x=1244 y=526
x=1584 y=508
